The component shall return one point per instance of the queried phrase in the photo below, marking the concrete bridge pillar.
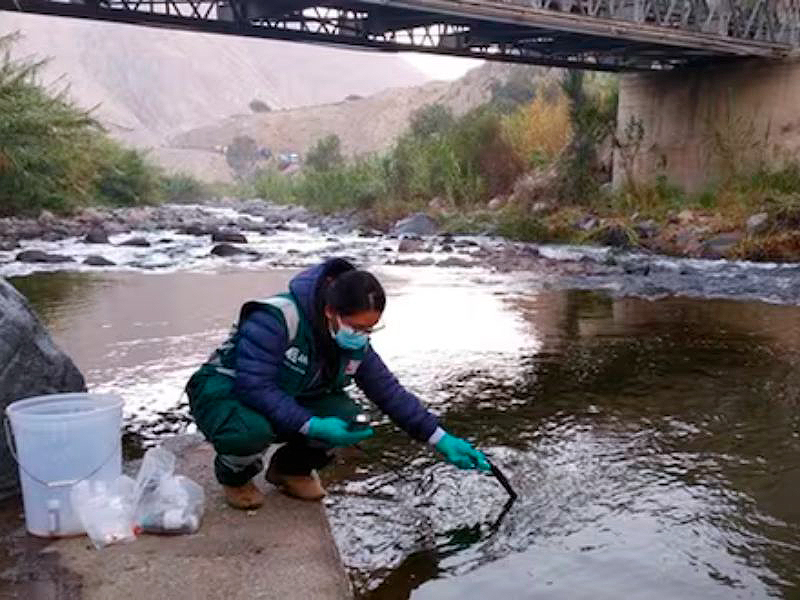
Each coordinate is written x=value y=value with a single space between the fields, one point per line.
x=696 y=125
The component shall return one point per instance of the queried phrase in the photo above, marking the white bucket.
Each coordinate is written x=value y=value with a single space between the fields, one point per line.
x=59 y=440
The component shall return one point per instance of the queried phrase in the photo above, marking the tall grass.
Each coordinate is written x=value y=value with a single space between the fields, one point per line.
x=46 y=144
x=55 y=155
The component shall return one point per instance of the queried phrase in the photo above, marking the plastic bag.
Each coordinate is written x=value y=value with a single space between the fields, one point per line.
x=158 y=464
x=106 y=511
x=156 y=502
x=166 y=503
x=175 y=507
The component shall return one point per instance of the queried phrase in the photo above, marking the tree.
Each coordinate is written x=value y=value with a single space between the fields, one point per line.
x=593 y=118
x=259 y=106
x=242 y=154
x=326 y=154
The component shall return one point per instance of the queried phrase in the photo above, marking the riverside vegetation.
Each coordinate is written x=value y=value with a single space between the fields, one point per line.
x=533 y=164
x=55 y=156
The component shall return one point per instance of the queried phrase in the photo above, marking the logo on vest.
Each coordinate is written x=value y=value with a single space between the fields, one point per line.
x=294 y=355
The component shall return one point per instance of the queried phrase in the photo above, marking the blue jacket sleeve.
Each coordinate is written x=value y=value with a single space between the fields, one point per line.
x=260 y=349
x=403 y=407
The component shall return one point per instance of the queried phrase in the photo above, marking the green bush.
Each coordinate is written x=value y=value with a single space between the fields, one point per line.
x=484 y=151
x=353 y=186
x=421 y=169
x=432 y=119
x=124 y=178
x=522 y=226
x=785 y=180
x=466 y=161
x=43 y=142
x=326 y=154
x=180 y=188
x=54 y=155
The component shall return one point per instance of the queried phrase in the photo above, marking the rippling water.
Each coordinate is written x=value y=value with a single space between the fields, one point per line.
x=655 y=445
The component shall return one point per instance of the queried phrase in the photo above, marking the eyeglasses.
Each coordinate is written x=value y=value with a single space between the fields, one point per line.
x=364 y=330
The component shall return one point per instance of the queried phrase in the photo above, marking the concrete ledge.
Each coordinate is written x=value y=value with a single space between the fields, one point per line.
x=284 y=550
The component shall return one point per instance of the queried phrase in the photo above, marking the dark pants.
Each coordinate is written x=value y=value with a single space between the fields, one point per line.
x=241 y=435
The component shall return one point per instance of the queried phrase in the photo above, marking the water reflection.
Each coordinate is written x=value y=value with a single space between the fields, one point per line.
x=654 y=446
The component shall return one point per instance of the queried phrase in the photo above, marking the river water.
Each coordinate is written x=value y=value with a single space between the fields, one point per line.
x=654 y=444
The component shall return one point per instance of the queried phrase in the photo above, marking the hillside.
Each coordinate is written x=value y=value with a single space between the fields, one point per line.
x=150 y=83
x=364 y=125
x=184 y=96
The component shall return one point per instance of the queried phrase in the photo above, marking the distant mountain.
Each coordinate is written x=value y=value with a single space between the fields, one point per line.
x=152 y=83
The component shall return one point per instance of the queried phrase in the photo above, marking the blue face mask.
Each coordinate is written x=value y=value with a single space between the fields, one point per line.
x=350 y=339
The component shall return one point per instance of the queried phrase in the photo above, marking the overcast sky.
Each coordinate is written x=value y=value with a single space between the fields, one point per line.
x=441 y=67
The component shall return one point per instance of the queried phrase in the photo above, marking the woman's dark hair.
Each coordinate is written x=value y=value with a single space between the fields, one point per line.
x=354 y=292
x=348 y=291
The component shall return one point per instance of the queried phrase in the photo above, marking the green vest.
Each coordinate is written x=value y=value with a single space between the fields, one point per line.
x=300 y=374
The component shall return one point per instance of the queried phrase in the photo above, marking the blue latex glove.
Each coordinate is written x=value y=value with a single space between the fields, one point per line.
x=333 y=431
x=461 y=454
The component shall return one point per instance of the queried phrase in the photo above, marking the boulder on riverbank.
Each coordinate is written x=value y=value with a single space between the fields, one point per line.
x=31 y=365
x=721 y=245
x=416 y=224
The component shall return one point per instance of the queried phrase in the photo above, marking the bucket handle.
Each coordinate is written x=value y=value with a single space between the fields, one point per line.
x=12 y=448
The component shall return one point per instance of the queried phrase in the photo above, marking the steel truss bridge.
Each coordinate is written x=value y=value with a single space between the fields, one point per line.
x=611 y=35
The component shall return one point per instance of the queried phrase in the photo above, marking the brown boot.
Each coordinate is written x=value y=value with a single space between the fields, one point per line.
x=305 y=487
x=246 y=497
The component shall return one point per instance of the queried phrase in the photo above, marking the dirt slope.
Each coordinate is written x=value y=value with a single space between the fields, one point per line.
x=363 y=125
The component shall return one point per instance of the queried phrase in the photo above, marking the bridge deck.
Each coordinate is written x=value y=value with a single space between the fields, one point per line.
x=597 y=34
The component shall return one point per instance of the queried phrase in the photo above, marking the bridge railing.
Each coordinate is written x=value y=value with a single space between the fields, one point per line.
x=776 y=21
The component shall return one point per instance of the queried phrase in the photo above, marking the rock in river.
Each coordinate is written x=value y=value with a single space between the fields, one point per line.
x=230 y=237
x=96 y=235
x=38 y=256
x=410 y=245
x=32 y=365
x=226 y=250
x=138 y=242
x=98 y=261
x=197 y=229
x=454 y=261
